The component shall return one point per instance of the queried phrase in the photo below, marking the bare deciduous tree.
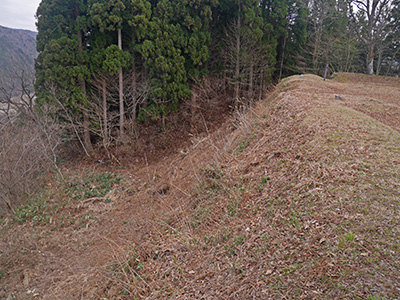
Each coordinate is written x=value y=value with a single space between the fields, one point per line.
x=372 y=20
x=29 y=143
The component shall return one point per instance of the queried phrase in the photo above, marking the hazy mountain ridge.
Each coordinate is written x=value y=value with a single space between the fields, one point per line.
x=17 y=52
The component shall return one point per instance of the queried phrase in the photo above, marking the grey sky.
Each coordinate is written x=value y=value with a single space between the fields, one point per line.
x=18 y=14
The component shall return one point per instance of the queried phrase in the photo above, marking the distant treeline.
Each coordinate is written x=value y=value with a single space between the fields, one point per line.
x=134 y=59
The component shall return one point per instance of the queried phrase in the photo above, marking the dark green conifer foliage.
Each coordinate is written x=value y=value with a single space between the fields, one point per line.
x=297 y=37
x=274 y=13
x=137 y=16
x=176 y=47
x=243 y=39
x=108 y=16
x=159 y=46
x=390 y=55
x=61 y=67
x=62 y=63
x=288 y=19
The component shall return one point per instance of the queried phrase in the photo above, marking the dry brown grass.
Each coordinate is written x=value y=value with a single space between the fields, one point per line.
x=297 y=199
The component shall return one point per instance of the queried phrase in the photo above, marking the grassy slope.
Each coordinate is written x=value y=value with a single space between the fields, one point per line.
x=298 y=199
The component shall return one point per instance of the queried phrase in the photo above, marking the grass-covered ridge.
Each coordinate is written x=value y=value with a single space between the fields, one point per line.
x=305 y=206
x=296 y=199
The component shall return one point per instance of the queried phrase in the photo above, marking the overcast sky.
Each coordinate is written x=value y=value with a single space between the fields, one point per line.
x=19 y=14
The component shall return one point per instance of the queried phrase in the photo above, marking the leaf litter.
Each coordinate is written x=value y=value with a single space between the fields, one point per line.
x=307 y=209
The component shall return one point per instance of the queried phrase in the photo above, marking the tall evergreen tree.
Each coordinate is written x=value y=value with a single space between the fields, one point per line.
x=108 y=16
x=291 y=48
x=138 y=14
x=175 y=48
x=244 y=46
x=106 y=61
x=287 y=21
x=162 y=51
x=62 y=60
x=389 y=50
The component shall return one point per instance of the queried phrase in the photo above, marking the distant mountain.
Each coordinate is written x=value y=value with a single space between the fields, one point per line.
x=17 y=52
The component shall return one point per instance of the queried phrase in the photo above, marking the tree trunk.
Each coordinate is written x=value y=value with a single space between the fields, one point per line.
x=105 y=117
x=315 y=55
x=261 y=85
x=86 y=121
x=370 y=62
x=379 y=62
x=225 y=79
x=283 y=57
x=251 y=76
x=193 y=109
x=134 y=97
x=237 y=70
x=370 y=42
x=348 y=57
x=121 y=90
x=86 y=132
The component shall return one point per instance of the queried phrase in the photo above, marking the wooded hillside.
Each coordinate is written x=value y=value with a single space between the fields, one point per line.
x=17 y=55
x=297 y=199
x=110 y=64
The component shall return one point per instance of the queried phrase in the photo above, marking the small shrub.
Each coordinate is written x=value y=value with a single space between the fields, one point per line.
x=91 y=185
x=243 y=144
x=34 y=210
x=239 y=240
x=349 y=237
x=264 y=180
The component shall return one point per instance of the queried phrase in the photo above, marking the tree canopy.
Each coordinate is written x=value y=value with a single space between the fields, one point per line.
x=159 y=48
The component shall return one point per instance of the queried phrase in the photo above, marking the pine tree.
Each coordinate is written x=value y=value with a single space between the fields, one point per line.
x=246 y=51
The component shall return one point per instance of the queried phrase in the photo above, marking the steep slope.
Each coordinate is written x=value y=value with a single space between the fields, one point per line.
x=17 y=52
x=296 y=199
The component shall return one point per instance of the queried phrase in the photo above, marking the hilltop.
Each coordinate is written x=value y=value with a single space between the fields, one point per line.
x=296 y=198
